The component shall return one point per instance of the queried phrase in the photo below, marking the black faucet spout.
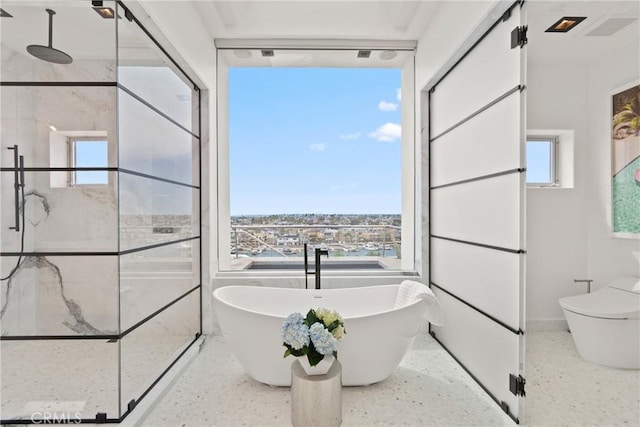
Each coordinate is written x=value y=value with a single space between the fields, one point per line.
x=319 y=253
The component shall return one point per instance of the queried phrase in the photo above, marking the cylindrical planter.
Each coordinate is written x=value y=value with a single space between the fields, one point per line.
x=316 y=400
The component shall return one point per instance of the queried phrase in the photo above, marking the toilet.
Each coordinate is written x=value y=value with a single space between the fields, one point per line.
x=605 y=324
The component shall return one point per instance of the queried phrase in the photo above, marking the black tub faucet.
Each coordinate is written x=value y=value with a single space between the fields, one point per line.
x=319 y=253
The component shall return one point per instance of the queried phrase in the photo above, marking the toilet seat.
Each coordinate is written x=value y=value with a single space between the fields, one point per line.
x=606 y=303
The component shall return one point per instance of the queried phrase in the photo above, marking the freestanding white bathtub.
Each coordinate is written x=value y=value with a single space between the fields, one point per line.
x=378 y=335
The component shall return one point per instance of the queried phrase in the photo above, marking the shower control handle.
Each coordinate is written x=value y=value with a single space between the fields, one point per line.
x=16 y=185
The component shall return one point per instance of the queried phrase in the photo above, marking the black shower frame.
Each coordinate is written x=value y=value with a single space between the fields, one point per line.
x=102 y=418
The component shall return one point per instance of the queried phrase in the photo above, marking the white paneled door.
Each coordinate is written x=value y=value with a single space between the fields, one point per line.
x=476 y=138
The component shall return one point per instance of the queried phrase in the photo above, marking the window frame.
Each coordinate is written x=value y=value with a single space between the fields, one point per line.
x=411 y=263
x=553 y=160
x=72 y=161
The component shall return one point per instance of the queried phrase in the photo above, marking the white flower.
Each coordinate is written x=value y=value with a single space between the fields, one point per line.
x=328 y=316
x=338 y=332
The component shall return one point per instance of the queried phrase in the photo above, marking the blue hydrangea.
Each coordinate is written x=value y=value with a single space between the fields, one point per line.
x=295 y=332
x=322 y=340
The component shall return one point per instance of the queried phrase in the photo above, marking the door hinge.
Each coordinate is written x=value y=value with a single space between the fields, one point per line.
x=519 y=36
x=516 y=385
x=504 y=407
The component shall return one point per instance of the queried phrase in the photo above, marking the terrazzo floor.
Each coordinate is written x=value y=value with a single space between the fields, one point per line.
x=80 y=376
x=428 y=389
x=565 y=390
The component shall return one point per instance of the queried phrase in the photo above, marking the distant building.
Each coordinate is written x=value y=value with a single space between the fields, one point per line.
x=288 y=240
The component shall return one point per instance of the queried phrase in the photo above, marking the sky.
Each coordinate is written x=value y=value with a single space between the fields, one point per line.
x=539 y=161
x=91 y=154
x=314 y=140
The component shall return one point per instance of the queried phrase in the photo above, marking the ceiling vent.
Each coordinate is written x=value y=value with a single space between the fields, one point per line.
x=364 y=53
x=610 y=26
x=267 y=53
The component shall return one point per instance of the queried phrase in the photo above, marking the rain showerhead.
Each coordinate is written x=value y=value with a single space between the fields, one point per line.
x=48 y=53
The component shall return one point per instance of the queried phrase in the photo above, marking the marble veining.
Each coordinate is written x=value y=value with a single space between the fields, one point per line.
x=40 y=211
x=78 y=324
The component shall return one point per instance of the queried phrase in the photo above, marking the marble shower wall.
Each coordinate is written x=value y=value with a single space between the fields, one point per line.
x=57 y=294
x=60 y=295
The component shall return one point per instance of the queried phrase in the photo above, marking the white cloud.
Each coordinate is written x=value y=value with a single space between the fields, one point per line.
x=318 y=147
x=387 y=106
x=388 y=132
x=398 y=94
x=350 y=136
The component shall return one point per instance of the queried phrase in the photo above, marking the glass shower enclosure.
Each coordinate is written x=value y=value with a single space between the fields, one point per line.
x=99 y=215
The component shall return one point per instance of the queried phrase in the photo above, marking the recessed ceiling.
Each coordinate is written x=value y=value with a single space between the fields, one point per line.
x=321 y=19
x=609 y=26
x=351 y=19
x=407 y=20
x=578 y=45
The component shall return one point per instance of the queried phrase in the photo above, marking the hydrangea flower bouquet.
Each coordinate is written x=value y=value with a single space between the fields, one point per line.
x=315 y=335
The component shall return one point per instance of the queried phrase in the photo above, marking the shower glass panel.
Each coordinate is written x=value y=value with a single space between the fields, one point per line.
x=158 y=156
x=70 y=380
x=50 y=295
x=42 y=120
x=151 y=76
x=57 y=219
x=166 y=152
x=149 y=349
x=154 y=212
x=99 y=214
x=156 y=277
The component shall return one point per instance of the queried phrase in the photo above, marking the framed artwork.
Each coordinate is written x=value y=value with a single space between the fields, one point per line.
x=625 y=160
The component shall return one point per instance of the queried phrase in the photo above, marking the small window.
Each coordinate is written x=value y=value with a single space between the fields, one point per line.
x=542 y=161
x=88 y=153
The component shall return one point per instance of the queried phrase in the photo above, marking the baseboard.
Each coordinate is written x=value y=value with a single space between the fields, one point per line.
x=547 y=325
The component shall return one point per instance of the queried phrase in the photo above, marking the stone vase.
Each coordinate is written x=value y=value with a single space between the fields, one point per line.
x=320 y=369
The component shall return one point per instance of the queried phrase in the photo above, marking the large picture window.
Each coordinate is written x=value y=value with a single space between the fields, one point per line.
x=317 y=156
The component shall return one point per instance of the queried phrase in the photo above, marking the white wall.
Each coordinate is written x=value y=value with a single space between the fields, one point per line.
x=568 y=230
x=448 y=28
x=557 y=98
x=607 y=257
x=436 y=45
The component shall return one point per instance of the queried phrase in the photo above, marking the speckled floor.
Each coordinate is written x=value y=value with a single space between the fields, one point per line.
x=37 y=376
x=564 y=390
x=429 y=389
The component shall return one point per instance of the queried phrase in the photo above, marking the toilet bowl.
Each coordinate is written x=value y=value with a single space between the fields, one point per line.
x=605 y=324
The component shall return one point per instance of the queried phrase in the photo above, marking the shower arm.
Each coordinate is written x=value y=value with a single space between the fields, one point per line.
x=51 y=13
